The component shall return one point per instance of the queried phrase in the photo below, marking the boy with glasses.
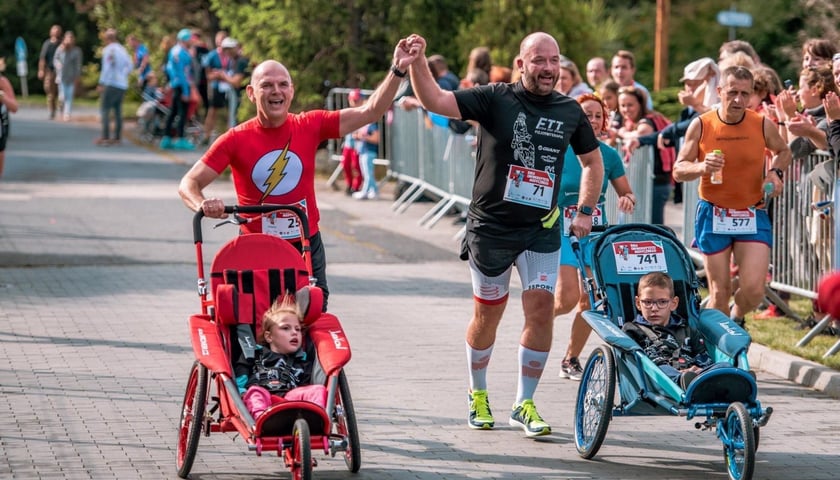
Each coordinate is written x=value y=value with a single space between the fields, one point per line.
x=666 y=337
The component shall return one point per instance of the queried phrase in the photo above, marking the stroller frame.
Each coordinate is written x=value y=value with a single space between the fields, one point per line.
x=247 y=274
x=620 y=380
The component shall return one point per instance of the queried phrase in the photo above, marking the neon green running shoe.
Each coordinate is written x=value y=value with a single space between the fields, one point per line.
x=481 y=418
x=525 y=416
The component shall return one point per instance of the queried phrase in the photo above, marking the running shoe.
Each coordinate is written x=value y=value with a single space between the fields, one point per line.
x=772 y=311
x=183 y=144
x=571 y=369
x=525 y=416
x=481 y=418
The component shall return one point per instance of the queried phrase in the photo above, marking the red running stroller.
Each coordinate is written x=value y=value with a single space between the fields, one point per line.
x=246 y=275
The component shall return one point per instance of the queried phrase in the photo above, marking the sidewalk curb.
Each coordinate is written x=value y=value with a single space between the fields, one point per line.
x=798 y=370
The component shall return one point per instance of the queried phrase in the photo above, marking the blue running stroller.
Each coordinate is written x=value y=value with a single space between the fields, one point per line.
x=620 y=380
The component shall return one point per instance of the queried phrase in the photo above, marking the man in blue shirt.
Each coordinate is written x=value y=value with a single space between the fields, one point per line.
x=141 y=60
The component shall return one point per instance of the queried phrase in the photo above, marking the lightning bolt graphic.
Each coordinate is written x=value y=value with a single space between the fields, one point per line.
x=277 y=172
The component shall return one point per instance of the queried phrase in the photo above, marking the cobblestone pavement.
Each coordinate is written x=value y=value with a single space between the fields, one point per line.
x=97 y=280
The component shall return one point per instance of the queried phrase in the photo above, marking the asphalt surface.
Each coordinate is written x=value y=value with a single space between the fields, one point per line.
x=97 y=280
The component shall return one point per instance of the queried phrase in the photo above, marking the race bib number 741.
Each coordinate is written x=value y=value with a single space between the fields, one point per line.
x=639 y=257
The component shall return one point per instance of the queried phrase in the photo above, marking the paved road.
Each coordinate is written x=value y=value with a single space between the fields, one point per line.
x=97 y=280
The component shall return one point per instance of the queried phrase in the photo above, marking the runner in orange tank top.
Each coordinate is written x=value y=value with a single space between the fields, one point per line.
x=728 y=224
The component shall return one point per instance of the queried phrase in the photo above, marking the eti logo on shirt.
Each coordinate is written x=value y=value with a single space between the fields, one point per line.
x=277 y=172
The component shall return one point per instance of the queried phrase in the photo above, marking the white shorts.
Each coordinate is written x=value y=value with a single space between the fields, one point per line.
x=537 y=271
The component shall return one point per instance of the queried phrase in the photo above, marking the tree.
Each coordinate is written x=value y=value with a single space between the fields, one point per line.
x=335 y=43
x=582 y=28
x=32 y=21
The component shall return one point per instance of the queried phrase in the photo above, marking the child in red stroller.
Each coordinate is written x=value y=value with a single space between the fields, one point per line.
x=248 y=275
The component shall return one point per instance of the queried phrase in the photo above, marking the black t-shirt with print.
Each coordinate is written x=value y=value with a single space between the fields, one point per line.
x=519 y=128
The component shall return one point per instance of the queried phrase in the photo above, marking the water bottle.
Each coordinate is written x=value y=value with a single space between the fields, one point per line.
x=717 y=176
x=768 y=190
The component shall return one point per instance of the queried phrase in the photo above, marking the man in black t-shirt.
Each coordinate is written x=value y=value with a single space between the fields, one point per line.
x=513 y=217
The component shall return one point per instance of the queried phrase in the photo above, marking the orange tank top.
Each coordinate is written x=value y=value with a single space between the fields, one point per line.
x=743 y=146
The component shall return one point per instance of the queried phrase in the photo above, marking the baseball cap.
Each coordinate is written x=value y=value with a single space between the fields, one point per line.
x=184 y=35
x=699 y=69
x=229 y=43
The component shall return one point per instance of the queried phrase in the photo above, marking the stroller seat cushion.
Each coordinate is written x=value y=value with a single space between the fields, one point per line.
x=722 y=385
x=310 y=301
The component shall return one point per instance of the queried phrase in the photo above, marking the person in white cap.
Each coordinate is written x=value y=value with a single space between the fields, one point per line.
x=226 y=69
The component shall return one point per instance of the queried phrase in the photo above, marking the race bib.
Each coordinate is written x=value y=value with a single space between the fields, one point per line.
x=639 y=257
x=527 y=186
x=729 y=221
x=283 y=224
x=598 y=216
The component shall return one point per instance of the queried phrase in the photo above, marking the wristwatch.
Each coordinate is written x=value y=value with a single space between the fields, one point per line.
x=585 y=209
x=779 y=172
x=396 y=71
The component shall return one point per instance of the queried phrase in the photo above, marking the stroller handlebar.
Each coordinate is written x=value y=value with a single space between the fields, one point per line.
x=261 y=209
x=576 y=243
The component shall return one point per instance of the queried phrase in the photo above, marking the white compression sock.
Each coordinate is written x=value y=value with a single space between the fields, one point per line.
x=531 y=365
x=477 y=361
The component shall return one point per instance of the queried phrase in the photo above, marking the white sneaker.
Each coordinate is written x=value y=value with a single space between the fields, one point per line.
x=372 y=195
x=360 y=195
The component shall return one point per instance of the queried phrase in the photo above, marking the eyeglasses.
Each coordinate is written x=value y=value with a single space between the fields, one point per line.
x=661 y=303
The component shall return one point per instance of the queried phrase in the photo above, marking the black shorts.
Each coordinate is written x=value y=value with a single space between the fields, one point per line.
x=218 y=99
x=4 y=135
x=494 y=247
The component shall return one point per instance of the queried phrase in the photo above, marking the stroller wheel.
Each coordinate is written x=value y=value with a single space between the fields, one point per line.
x=302 y=451
x=345 y=424
x=593 y=408
x=738 y=437
x=192 y=418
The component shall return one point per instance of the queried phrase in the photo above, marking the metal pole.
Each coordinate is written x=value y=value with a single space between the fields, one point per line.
x=660 y=64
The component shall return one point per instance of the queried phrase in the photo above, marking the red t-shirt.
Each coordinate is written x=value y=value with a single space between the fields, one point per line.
x=275 y=165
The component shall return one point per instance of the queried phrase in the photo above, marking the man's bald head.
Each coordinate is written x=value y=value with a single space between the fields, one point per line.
x=537 y=38
x=268 y=66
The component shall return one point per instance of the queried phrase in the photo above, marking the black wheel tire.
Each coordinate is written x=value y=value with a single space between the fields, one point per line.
x=302 y=449
x=345 y=423
x=593 y=408
x=738 y=442
x=192 y=418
